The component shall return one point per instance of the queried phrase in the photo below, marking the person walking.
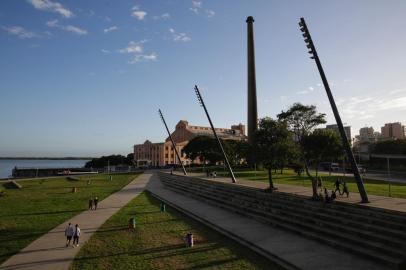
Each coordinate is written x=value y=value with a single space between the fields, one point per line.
x=345 y=189
x=90 y=204
x=337 y=186
x=69 y=233
x=76 y=235
x=95 y=202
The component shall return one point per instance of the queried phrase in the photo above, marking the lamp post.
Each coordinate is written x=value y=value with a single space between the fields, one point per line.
x=312 y=51
x=173 y=143
x=200 y=99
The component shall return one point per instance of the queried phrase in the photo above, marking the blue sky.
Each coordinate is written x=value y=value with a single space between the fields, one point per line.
x=86 y=78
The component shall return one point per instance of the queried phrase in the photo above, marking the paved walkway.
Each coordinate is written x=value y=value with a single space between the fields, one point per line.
x=289 y=250
x=49 y=252
x=396 y=204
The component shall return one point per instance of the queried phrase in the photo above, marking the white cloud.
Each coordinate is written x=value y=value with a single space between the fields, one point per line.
x=69 y=28
x=19 y=32
x=53 y=23
x=138 y=13
x=110 y=29
x=136 y=49
x=179 y=37
x=133 y=47
x=143 y=58
x=197 y=4
x=195 y=10
x=48 y=5
x=76 y=30
x=373 y=105
x=210 y=13
x=303 y=92
x=105 y=51
x=164 y=16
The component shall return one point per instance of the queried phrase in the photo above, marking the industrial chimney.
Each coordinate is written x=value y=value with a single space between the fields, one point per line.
x=252 y=87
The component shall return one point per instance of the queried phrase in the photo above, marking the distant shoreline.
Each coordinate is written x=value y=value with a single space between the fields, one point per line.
x=46 y=158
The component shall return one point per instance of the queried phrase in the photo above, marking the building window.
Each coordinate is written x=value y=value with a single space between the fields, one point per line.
x=166 y=155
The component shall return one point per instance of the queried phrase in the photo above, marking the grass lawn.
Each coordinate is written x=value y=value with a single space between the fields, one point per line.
x=41 y=205
x=157 y=243
x=289 y=177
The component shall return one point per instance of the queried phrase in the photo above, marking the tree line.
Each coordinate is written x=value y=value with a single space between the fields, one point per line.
x=289 y=140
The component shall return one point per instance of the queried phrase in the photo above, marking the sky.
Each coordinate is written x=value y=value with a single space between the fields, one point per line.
x=86 y=78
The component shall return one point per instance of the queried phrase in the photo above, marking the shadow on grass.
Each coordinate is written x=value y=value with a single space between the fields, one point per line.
x=42 y=213
x=156 y=253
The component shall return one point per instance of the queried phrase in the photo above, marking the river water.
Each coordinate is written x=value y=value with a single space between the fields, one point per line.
x=7 y=165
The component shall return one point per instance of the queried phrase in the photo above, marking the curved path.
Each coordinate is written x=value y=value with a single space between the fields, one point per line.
x=49 y=252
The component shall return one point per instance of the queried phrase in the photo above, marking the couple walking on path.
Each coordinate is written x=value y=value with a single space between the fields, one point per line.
x=93 y=203
x=74 y=232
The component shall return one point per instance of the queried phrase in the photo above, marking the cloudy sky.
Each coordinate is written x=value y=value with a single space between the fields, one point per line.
x=87 y=77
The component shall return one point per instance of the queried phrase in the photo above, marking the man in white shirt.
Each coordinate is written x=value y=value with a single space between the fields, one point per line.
x=69 y=233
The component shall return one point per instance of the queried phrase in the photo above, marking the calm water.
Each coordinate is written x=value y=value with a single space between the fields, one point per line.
x=7 y=165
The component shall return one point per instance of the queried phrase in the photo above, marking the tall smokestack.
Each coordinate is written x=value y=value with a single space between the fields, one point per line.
x=252 y=87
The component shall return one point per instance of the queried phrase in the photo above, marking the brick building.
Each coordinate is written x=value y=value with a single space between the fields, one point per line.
x=161 y=154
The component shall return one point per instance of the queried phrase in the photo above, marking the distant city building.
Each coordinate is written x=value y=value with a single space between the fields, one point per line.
x=363 y=142
x=347 y=130
x=161 y=154
x=393 y=130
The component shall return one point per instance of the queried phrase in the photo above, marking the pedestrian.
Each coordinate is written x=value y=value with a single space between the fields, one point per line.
x=214 y=174
x=345 y=189
x=95 y=202
x=326 y=196
x=76 y=235
x=90 y=204
x=207 y=173
x=337 y=185
x=69 y=233
x=333 y=195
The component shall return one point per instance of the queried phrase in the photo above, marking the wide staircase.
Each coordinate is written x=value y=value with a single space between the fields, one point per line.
x=376 y=234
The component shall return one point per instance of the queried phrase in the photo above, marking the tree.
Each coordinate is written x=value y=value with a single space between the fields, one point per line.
x=205 y=148
x=302 y=120
x=236 y=151
x=394 y=147
x=105 y=160
x=271 y=143
x=318 y=146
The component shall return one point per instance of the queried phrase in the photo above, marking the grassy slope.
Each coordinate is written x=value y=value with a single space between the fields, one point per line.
x=157 y=243
x=291 y=178
x=27 y=213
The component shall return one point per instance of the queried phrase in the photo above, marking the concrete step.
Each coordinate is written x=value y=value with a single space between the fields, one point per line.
x=295 y=217
x=375 y=216
x=306 y=217
x=394 y=262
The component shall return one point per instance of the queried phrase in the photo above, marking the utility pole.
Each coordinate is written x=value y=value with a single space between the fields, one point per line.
x=173 y=143
x=312 y=51
x=200 y=99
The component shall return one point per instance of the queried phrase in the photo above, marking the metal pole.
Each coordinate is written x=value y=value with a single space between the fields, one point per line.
x=346 y=144
x=173 y=143
x=199 y=97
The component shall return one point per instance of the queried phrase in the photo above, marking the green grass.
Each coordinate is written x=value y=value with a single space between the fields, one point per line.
x=157 y=243
x=27 y=213
x=291 y=178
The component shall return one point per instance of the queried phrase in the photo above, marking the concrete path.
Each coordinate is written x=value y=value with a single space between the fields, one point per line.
x=289 y=250
x=395 y=204
x=49 y=252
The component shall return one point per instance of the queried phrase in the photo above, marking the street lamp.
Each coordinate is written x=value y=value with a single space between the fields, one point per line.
x=173 y=143
x=313 y=55
x=201 y=102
